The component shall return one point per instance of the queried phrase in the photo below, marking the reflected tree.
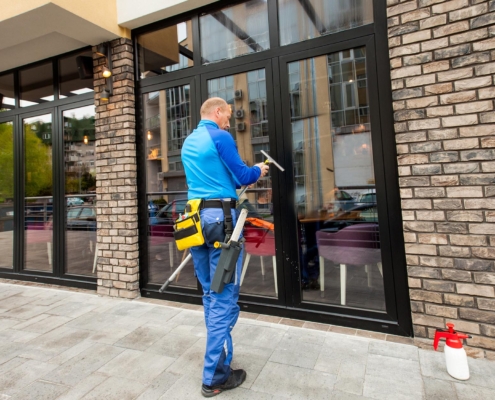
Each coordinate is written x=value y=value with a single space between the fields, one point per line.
x=6 y=162
x=38 y=160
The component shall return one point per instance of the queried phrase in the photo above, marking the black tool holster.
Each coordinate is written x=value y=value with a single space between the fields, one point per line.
x=227 y=220
x=229 y=255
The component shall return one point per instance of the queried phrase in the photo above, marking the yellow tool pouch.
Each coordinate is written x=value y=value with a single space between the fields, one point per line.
x=187 y=230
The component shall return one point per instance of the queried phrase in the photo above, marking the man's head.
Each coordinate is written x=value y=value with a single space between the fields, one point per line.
x=217 y=110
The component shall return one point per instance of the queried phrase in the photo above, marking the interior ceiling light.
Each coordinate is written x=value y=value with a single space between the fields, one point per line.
x=106 y=72
x=85 y=139
x=150 y=136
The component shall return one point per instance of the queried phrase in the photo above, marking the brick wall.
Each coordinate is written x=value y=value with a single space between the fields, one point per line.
x=116 y=189
x=442 y=57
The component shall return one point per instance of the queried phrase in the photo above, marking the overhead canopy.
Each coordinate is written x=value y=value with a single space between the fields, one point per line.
x=34 y=30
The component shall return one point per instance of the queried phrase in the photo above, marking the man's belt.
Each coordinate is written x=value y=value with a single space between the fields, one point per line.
x=215 y=204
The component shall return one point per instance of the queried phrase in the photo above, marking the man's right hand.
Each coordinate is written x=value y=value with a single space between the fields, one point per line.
x=264 y=169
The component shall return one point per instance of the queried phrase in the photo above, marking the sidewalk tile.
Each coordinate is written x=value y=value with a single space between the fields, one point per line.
x=116 y=389
x=41 y=390
x=144 y=336
x=136 y=365
x=159 y=386
x=82 y=365
x=172 y=345
x=471 y=392
x=296 y=353
x=83 y=387
x=394 y=350
x=295 y=382
x=436 y=389
x=387 y=388
x=23 y=375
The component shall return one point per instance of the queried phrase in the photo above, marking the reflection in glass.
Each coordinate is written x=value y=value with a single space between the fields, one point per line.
x=165 y=50
x=7 y=94
x=6 y=194
x=234 y=31
x=246 y=94
x=80 y=190
x=307 y=19
x=76 y=74
x=38 y=187
x=36 y=85
x=334 y=181
x=168 y=122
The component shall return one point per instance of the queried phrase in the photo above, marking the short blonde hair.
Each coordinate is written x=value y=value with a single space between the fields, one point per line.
x=211 y=104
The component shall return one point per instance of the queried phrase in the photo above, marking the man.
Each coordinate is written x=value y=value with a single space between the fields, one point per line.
x=214 y=170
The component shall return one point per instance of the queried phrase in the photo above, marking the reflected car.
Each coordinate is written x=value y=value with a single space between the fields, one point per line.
x=162 y=224
x=342 y=201
x=169 y=213
x=357 y=215
x=366 y=199
x=74 y=201
x=81 y=218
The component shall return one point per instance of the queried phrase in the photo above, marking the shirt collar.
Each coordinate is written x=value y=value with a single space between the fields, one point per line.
x=204 y=122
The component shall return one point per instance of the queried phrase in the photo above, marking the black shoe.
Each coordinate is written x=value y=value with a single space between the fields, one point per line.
x=235 y=379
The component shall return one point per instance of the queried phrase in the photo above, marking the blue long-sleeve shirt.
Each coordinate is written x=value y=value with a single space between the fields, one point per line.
x=212 y=164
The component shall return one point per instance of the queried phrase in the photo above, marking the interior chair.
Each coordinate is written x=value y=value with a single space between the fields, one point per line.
x=161 y=235
x=357 y=244
x=259 y=242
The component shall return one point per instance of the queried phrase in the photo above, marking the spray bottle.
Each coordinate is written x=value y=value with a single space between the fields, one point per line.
x=455 y=355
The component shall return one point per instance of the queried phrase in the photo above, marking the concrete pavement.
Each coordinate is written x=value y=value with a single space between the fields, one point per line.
x=58 y=343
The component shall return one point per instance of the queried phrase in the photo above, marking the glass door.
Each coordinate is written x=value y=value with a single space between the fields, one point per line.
x=339 y=202
x=7 y=195
x=79 y=158
x=169 y=117
x=38 y=193
x=245 y=90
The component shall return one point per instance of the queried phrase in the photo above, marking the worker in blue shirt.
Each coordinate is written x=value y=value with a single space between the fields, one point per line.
x=214 y=170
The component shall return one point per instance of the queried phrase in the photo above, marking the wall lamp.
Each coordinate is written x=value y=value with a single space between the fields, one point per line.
x=104 y=50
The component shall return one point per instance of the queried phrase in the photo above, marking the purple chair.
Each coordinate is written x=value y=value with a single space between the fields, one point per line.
x=356 y=245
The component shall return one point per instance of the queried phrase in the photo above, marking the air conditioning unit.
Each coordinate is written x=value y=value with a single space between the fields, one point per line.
x=239 y=114
x=238 y=94
x=159 y=176
x=240 y=127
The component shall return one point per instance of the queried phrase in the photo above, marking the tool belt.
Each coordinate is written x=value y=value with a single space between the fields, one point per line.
x=187 y=228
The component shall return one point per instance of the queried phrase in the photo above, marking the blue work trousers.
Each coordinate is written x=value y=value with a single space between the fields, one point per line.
x=221 y=309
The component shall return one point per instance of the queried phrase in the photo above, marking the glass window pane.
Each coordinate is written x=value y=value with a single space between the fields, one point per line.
x=76 y=74
x=80 y=190
x=38 y=186
x=335 y=193
x=7 y=95
x=165 y=50
x=234 y=31
x=307 y=19
x=167 y=124
x=36 y=85
x=6 y=195
x=249 y=127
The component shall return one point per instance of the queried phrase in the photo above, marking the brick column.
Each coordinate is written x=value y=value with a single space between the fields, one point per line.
x=442 y=56
x=116 y=189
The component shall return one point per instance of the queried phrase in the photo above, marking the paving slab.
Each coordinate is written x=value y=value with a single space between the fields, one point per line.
x=294 y=382
x=40 y=391
x=136 y=365
x=116 y=389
